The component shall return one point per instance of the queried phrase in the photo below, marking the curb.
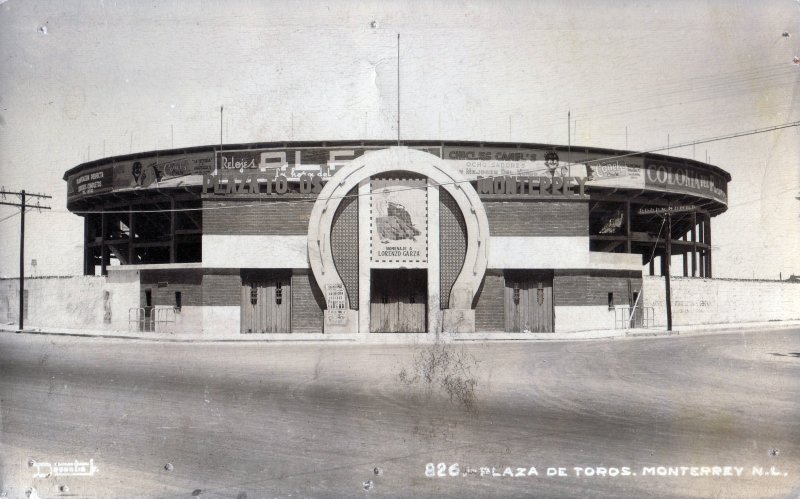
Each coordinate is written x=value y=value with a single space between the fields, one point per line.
x=354 y=339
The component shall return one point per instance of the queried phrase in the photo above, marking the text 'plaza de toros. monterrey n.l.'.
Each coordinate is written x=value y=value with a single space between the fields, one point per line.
x=368 y=237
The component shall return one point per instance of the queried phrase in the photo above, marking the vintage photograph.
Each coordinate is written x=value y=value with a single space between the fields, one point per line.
x=289 y=249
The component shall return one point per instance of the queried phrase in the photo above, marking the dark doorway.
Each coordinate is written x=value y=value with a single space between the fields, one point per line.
x=398 y=301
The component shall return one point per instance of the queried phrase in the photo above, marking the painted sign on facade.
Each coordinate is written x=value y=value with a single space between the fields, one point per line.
x=399 y=221
x=148 y=172
x=667 y=177
x=543 y=186
x=96 y=181
x=294 y=163
x=256 y=182
x=490 y=162
x=476 y=162
x=138 y=173
x=314 y=165
x=625 y=172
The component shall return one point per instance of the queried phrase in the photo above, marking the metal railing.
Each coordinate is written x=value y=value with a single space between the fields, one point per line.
x=151 y=319
x=642 y=317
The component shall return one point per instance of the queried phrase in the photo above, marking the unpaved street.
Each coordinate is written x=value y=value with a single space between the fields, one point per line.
x=333 y=420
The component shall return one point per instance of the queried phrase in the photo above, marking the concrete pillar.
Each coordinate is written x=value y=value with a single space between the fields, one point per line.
x=364 y=261
x=434 y=295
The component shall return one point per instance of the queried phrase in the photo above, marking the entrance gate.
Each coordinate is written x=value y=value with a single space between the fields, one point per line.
x=398 y=301
x=266 y=303
x=528 y=301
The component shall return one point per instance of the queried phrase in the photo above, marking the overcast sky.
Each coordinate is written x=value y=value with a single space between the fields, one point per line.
x=80 y=80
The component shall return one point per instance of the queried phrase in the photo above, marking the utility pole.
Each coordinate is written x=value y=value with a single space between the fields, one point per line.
x=666 y=213
x=667 y=270
x=22 y=205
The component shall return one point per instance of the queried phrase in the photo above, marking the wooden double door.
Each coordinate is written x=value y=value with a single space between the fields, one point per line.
x=266 y=302
x=398 y=301
x=528 y=301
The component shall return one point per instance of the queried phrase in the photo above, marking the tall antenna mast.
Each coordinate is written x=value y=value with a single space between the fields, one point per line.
x=219 y=156
x=569 y=137
x=398 y=89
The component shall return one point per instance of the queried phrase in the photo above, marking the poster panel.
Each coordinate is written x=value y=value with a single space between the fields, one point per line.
x=399 y=221
x=335 y=298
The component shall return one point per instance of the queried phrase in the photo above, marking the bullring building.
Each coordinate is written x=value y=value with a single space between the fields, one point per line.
x=372 y=238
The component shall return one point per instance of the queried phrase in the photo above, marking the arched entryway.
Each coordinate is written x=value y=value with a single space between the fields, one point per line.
x=398 y=194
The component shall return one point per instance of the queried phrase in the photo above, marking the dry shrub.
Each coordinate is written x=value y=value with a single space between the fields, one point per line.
x=447 y=367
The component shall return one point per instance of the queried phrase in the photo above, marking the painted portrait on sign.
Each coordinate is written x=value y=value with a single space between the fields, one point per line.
x=399 y=221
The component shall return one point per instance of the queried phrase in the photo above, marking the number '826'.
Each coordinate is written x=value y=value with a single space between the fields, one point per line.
x=440 y=470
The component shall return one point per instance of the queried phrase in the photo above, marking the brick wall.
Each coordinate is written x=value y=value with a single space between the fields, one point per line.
x=188 y=282
x=307 y=304
x=537 y=218
x=489 y=310
x=588 y=288
x=258 y=217
x=222 y=288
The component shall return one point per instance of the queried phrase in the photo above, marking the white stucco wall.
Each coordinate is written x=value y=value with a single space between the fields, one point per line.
x=222 y=320
x=521 y=252
x=72 y=302
x=570 y=319
x=722 y=301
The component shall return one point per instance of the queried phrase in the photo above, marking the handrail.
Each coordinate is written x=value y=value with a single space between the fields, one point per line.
x=634 y=317
x=152 y=319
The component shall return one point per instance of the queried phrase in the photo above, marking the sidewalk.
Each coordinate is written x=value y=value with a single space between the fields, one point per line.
x=404 y=338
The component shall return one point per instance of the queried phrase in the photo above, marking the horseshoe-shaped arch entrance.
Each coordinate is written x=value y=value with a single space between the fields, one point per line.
x=459 y=316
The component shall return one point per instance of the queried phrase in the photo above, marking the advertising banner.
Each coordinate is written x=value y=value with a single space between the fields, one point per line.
x=293 y=163
x=482 y=162
x=676 y=179
x=399 y=221
x=94 y=181
x=475 y=162
x=143 y=172
x=149 y=171
x=611 y=171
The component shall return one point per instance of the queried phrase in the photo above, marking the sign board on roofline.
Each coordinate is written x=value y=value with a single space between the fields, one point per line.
x=298 y=164
x=656 y=210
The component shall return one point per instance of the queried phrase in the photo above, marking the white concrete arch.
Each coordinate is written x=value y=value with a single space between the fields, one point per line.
x=357 y=174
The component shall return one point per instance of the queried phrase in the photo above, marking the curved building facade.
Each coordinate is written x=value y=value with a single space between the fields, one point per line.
x=372 y=238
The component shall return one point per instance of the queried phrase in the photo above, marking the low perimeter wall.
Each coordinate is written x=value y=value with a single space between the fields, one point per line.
x=74 y=302
x=722 y=301
x=97 y=303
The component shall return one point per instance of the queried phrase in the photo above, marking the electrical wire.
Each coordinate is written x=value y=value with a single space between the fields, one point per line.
x=15 y=214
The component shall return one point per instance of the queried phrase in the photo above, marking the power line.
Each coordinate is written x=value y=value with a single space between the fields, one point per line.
x=541 y=170
x=23 y=207
x=13 y=215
